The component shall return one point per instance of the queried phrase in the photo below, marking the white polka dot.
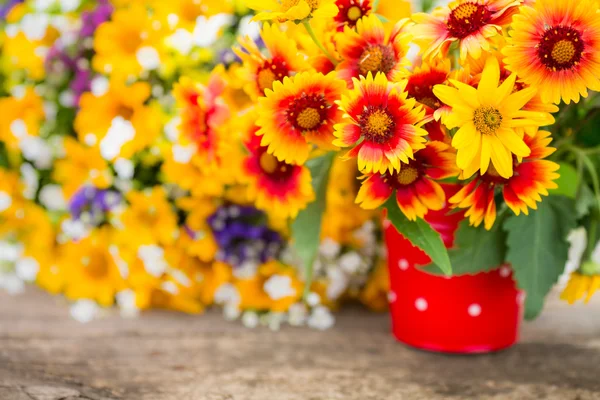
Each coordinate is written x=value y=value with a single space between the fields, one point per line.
x=505 y=271
x=392 y=297
x=386 y=223
x=521 y=298
x=474 y=310
x=421 y=304
x=403 y=264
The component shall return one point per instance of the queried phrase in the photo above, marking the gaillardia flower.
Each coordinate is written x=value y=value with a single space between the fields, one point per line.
x=532 y=177
x=555 y=46
x=260 y=71
x=292 y=10
x=382 y=123
x=471 y=22
x=580 y=286
x=366 y=50
x=275 y=186
x=415 y=184
x=298 y=112
x=350 y=12
x=487 y=118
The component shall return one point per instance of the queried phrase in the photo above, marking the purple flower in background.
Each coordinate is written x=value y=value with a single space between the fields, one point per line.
x=243 y=236
x=6 y=7
x=91 y=204
x=90 y=20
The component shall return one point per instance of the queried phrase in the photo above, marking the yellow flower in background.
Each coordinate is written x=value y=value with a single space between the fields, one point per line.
x=185 y=13
x=129 y=43
x=292 y=10
x=21 y=116
x=275 y=288
x=118 y=122
x=554 y=46
x=375 y=293
x=196 y=236
x=487 y=117
x=580 y=286
x=90 y=271
x=149 y=219
x=81 y=165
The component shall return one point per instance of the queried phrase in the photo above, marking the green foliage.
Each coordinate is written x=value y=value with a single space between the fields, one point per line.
x=475 y=249
x=420 y=234
x=306 y=228
x=585 y=201
x=3 y=156
x=538 y=248
x=568 y=181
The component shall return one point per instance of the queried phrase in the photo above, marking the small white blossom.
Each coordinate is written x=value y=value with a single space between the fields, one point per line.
x=279 y=286
x=5 y=201
x=350 y=262
x=329 y=248
x=126 y=303
x=153 y=257
x=148 y=57
x=124 y=168
x=52 y=197
x=297 y=314
x=84 y=310
x=250 y=319
x=99 y=85
x=321 y=318
x=120 y=132
x=182 y=41
x=27 y=269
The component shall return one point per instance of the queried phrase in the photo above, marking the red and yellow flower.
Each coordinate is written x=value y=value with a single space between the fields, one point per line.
x=366 y=50
x=260 y=71
x=350 y=12
x=487 y=118
x=532 y=177
x=299 y=112
x=415 y=184
x=382 y=124
x=470 y=22
x=555 y=46
x=202 y=112
x=275 y=186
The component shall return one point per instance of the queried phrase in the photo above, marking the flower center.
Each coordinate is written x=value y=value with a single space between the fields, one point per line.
x=96 y=265
x=487 y=120
x=560 y=48
x=376 y=124
x=276 y=170
x=269 y=72
x=377 y=58
x=354 y=13
x=124 y=111
x=407 y=175
x=420 y=87
x=308 y=112
x=467 y=18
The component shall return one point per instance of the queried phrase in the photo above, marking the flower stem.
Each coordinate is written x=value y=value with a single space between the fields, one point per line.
x=312 y=35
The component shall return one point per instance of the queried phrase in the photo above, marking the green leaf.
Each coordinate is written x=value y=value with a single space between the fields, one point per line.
x=306 y=228
x=382 y=18
x=475 y=249
x=568 y=181
x=420 y=234
x=538 y=248
x=585 y=201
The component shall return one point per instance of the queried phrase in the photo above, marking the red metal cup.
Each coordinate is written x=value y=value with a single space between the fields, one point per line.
x=464 y=314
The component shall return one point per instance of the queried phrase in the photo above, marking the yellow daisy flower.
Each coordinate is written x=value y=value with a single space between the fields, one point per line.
x=21 y=116
x=292 y=10
x=487 y=117
x=579 y=286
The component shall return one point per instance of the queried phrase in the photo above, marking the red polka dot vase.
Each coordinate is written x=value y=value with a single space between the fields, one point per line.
x=465 y=314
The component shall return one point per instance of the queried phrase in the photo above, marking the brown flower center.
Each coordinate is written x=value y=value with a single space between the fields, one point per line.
x=376 y=124
x=467 y=18
x=308 y=112
x=125 y=111
x=487 y=120
x=407 y=175
x=271 y=71
x=377 y=58
x=560 y=48
x=271 y=166
x=95 y=265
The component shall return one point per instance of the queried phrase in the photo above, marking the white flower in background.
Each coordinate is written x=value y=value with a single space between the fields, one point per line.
x=180 y=277
x=153 y=257
x=183 y=154
x=73 y=229
x=18 y=128
x=11 y=283
x=27 y=269
x=172 y=20
x=126 y=303
x=329 y=248
x=5 y=201
x=321 y=318
x=274 y=320
x=279 y=286
x=100 y=85
x=350 y=262
x=52 y=197
x=182 y=41
x=148 y=58
x=297 y=314
x=66 y=99
x=10 y=252
x=84 y=310
x=250 y=319
x=231 y=312
x=207 y=30
x=172 y=129
x=50 y=111
x=34 y=25
x=246 y=270
x=30 y=179
x=37 y=150
x=578 y=240
x=338 y=283
x=120 y=132
x=247 y=27
x=124 y=168
x=313 y=299
x=227 y=294
x=69 y=5
x=170 y=287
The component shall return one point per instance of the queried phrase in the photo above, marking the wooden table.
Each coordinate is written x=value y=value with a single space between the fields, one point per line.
x=45 y=355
